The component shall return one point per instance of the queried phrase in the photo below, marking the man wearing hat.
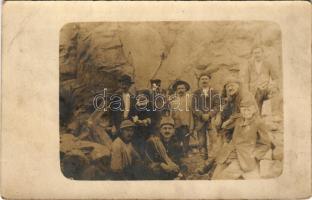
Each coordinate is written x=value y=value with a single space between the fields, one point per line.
x=122 y=103
x=205 y=106
x=163 y=152
x=239 y=159
x=180 y=107
x=123 y=156
x=225 y=121
x=232 y=94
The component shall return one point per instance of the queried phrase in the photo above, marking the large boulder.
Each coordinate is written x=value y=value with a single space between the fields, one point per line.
x=78 y=155
x=94 y=55
x=91 y=59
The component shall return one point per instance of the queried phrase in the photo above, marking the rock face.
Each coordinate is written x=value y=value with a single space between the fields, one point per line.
x=93 y=55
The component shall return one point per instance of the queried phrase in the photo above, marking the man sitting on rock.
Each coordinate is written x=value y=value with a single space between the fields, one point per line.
x=163 y=152
x=233 y=93
x=124 y=158
x=239 y=159
x=225 y=121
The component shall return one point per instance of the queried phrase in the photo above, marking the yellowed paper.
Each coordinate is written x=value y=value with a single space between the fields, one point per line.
x=32 y=35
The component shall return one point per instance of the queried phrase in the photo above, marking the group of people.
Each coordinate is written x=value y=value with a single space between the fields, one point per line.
x=150 y=138
x=152 y=132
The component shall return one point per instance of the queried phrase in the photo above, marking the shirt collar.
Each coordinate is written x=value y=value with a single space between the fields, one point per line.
x=205 y=91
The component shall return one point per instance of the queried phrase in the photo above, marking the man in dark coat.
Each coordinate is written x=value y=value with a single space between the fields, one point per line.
x=163 y=152
x=143 y=118
x=206 y=103
x=233 y=93
x=122 y=103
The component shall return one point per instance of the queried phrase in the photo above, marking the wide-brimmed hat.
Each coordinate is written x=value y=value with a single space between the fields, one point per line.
x=126 y=123
x=126 y=79
x=180 y=82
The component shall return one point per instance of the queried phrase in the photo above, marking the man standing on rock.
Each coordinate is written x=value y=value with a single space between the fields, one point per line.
x=262 y=78
x=206 y=104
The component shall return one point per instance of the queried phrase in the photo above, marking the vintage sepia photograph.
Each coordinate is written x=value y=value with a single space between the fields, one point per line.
x=156 y=100
x=171 y=100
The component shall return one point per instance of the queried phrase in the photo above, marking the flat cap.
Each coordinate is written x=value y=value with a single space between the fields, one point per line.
x=126 y=123
x=166 y=120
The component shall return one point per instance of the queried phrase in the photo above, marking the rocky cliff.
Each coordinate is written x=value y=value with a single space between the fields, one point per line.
x=94 y=55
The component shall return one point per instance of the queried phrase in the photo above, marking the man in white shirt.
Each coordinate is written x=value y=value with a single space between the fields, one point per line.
x=181 y=113
x=262 y=77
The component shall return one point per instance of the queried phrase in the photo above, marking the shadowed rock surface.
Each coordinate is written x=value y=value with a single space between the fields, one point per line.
x=93 y=56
